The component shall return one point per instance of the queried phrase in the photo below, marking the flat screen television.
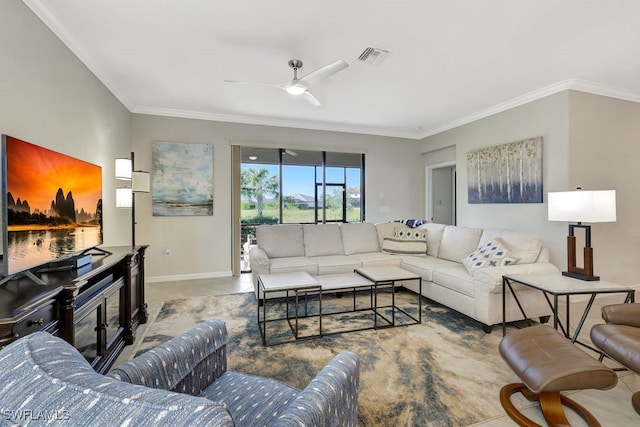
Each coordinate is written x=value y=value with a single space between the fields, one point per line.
x=51 y=206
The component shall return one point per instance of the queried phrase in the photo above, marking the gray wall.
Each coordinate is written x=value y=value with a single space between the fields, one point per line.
x=201 y=246
x=49 y=98
x=546 y=117
x=589 y=141
x=604 y=155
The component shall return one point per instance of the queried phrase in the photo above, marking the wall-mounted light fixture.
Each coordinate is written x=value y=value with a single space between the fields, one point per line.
x=125 y=196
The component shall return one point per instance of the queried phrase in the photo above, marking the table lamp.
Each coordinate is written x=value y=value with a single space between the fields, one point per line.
x=581 y=206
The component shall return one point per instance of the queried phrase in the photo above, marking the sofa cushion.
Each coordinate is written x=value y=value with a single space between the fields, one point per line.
x=524 y=246
x=434 y=236
x=359 y=238
x=279 y=241
x=335 y=264
x=292 y=264
x=322 y=239
x=455 y=278
x=458 y=242
x=377 y=259
x=406 y=241
x=251 y=400
x=424 y=265
x=492 y=254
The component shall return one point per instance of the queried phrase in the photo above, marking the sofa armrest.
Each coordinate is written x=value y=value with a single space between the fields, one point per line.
x=622 y=314
x=258 y=257
x=330 y=399
x=187 y=363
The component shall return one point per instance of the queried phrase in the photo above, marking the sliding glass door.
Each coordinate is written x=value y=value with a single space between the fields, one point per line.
x=287 y=186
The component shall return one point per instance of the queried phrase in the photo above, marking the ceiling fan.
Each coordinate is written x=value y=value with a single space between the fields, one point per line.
x=300 y=86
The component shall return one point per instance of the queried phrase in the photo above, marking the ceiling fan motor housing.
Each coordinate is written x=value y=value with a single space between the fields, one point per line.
x=296 y=64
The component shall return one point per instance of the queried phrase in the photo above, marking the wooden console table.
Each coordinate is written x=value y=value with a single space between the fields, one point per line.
x=96 y=308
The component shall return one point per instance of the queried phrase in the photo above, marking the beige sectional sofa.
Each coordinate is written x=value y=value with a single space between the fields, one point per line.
x=451 y=260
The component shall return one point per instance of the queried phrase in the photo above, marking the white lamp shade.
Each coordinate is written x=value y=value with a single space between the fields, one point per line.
x=140 y=181
x=124 y=198
x=582 y=206
x=123 y=169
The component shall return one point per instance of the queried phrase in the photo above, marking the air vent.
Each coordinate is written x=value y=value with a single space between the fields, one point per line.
x=373 y=55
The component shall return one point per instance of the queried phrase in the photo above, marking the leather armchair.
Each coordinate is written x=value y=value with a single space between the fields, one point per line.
x=620 y=338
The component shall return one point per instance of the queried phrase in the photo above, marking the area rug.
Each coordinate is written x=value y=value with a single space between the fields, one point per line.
x=443 y=372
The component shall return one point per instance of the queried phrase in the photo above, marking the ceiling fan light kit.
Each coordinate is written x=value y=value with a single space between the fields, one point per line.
x=296 y=90
x=300 y=86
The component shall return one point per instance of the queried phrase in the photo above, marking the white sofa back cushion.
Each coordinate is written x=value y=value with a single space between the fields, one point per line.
x=434 y=237
x=322 y=239
x=458 y=242
x=359 y=238
x=388 y=229
x=279 y=241
x=524 y=246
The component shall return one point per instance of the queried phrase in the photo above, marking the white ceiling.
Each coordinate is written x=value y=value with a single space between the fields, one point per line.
x=450 y=61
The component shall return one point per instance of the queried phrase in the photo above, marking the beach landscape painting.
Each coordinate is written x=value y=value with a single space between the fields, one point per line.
x=507 y=173
x=182 y=179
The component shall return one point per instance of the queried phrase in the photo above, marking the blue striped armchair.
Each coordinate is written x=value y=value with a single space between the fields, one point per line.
x=183 y=382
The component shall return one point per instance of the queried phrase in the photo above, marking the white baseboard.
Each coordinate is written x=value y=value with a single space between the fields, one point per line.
x=194 y=276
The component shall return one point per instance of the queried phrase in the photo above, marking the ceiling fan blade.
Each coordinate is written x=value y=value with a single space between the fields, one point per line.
x=311 y=99
x=324 y=72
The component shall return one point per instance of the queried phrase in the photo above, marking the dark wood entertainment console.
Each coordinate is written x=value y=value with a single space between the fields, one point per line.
x=96 y=308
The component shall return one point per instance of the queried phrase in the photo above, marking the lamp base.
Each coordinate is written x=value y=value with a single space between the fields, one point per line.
x=581 y=276
x=586 y=272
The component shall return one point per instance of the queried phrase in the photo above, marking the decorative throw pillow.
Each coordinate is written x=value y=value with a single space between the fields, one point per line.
x=410 y=234
x=491 y=254
x=406 y=241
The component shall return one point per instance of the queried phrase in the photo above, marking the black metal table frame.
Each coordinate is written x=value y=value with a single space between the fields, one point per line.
x=392 y=285
x=298 y=290
x=565 y=329
x=305 y=291
x=354 y=289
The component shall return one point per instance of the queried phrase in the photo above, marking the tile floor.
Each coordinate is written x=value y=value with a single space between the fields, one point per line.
x=611 y=407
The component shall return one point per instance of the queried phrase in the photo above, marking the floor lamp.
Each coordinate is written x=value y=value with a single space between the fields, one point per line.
x=126 y=196
x=581 y=206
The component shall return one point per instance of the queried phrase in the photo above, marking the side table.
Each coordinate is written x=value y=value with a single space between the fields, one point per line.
x=555 y=285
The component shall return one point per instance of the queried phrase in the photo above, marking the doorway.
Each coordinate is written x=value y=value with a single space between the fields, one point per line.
x=336 y=203
x=441 y=193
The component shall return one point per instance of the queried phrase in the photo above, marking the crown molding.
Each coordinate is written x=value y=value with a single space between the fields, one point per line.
x=39 y=8
x=569 y=84
x=270 y=121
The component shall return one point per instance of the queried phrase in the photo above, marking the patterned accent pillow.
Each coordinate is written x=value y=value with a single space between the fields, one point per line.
x=411 y=234
x=406 y=241
x=413 y=223
x=491 y=254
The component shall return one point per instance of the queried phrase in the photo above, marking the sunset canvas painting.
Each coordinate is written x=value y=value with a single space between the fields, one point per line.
x=54 y=204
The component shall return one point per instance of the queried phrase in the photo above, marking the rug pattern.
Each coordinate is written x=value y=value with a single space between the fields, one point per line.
x=443 y=372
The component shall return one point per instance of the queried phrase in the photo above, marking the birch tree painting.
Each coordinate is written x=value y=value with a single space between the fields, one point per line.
x=508 y=173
